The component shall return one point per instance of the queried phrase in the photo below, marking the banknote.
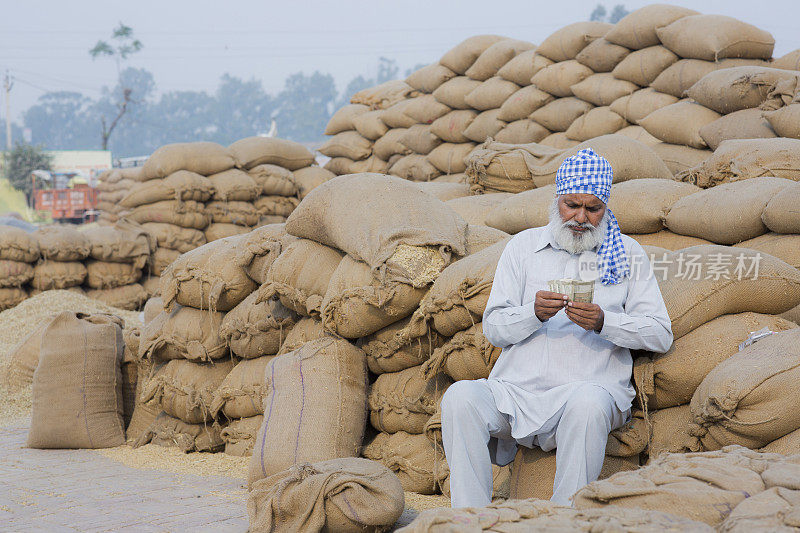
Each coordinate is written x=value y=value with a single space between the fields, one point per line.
x=575 y=289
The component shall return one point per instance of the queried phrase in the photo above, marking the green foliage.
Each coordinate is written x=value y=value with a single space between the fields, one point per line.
x=617 y=13
x=123 y=46
x=305 y=106
x=21 y=161
x=599 y=13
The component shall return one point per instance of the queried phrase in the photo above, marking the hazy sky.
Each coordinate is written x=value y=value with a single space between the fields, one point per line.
x=189 y=44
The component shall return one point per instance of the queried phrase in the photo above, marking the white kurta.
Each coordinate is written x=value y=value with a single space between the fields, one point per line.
x=543 y=363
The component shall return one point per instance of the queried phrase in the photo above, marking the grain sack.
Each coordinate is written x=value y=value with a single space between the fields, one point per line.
x=14 y=273
x=558 y=140
x=713 y=37
x=560 y=113
x=241 y=394
x=733 y=89
x=679 y=123
x=391 y=350
x=152 y=309
x=558 y=78
x=670 y=379
x=679 y=158
x=105 y=275
x=445 y=191
x=316 y=399
x=254 y=329
x=384 y=95
x=420 y=139
x=358 y=304
x=234 y=185
x=744 y=124
x=253 y=151
x=598 y=121
x=48 y=275
x=786 y=445
x=484 y=126
x=170 y=432
x=275 y=205
x=62 y=243
x=641 y=103
x=480 y=237
x=395 y=116
x=491 y=94
x=784 y=247
x=475 y=209
x=641 y=205
x=206 y=278
x=410 y=457
x=175 y=237
x=183 y=333
x=495 y=57
x=240 y=435
x=449 y=158
x=129 y=369
x=128 y=297
x=259 y=249
x=453 y=93
x=370 y=126
x=773 y=289
x=521 y=132
x=451 y=127
x=18 y=245
x=533 y=472
x=728 y=213
x=468 y=355
x=425 y=109
x=452 y=178
x=394 y=214
x=152 y=286
x=790 y=61
x=700 y=486
x=640 y=134
x=737 y=401
x=77 y=394
x=463 y=55
x=529 y=209
x=204 y=158
x=212 y=233
x=405 y=400
x=775 y=509
x=124 y=242
x=185 y=389
x=603 y=89
x=523 y=102
x=310 y=177
x=427 y=79
x=348 y=495
x=643 y=66
x=669 y=430
x=521 y=68
x=180 y=185
x=342 y=119
x=637 y=29
x=667 y=239
x=10 y=297
x=306 y=330
x=186 y=214
x=601 y=55
x=24 y=357
x=390 y=144
x=676 y=79
x=785 y=121
x=781 y=213
x=272 y=180
x=566 y=43
x=414 y=167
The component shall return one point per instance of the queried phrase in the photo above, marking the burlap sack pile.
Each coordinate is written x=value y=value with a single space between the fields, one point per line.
x=112 y=186
x=19 y=252
x=63 y=251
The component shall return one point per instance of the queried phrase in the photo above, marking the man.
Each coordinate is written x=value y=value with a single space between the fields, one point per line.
x=563 y=378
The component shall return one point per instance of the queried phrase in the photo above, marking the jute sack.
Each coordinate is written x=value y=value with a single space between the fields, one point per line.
x=637 y=29
x=692 y=302
x=781 y=213
x=643 y=66
x=204 y=158
x=260 y=248
x=523 y=102
x=14 y=273
x=601 y=55
x=49 y=275
x=390 y=145
x=420 y=139
x=234 y=185
x=124 y=242
x=152 y=286
x=62 y=243
x=786 y=445
x=536 y=515
x=784 y=247
x=520 y=69
x=558 y=78
x=676 y=79
x=726 y=214
x=733 y=89
x=358 y=304
x=790 y=61
x=414 y=167
x=213 y=232
x=670 y=379
x=152 y=309
x=143 y=415
x=641 y=205
x=24 y=357
x=77 y=393
x=495 y=57
x=669 y=430
x=445 y=191
x=699 y=486
x=521 y=132
x=185 y=389
x=342 y=119
x=453 y=93
x=679 y=158
x=207 y=278
x=171 y=432
x=463 y=55
x=491 y=93
x=180 y=185
x=9 y=297
x=349 y=495
x=395 y=213
x=310 y=177
x=737 y=401
x=240 y=435
x=390 y=350
x=640 y=134
x=105 y=275
x=480 y=237
x=175 y=237
x=785 y=121
x=713 y=37
x=637 y=105
x=744 y=124
x=316 y=398
x=255 y=329
x=273 y=180
x=560 y=113
x=300 y=276
x=411 y=457
x=384 y=95
x=306 y=330
x=395 y=116
x=128 y=297
x=253 y=151
x=775 y=509
x=186 y=214
x=474 y=209
x=428 y=78
x=17 y=244
x=679 y=123
x=485 y=126
x=162 y=258
x=129 y=369
x=603 y=89
x=451 y=127
x=183 y=333
x=741 y=159
x=598 y=121
x=242 y=392
x=528 y=209
x=240 y=213
x=468 y=355
x=370 y=126
x=405 y=400
x=566 y=43
x=533 y=472
x=275 y=205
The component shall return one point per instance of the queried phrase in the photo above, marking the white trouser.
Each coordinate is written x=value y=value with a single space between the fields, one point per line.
x=470 y=418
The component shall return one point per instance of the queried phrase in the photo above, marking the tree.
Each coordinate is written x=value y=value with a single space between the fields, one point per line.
x=304 y=106
x=62 y=120
x=243 y=109
x=599 y=13
x=387 y=70
x=415 y=68
x=122 y=46
x=21 y=161
x=617 y=13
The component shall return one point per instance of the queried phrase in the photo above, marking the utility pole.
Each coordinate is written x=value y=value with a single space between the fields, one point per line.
x=7 y=85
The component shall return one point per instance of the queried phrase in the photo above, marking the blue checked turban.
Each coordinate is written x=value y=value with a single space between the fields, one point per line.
x=589 y=173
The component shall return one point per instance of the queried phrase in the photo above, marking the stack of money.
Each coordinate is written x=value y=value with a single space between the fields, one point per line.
x=575 y=289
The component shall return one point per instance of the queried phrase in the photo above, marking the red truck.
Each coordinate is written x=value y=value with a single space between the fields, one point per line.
x=75 y=205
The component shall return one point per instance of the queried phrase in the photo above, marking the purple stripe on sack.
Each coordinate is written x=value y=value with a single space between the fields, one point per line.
x=355 y=514
x=266 y=422
x=302 y=405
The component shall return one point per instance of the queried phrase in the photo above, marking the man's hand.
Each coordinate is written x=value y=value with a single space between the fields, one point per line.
x=547 y=304
x=588 y=316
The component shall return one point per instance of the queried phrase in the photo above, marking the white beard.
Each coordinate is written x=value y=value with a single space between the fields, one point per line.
x=576 y=243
